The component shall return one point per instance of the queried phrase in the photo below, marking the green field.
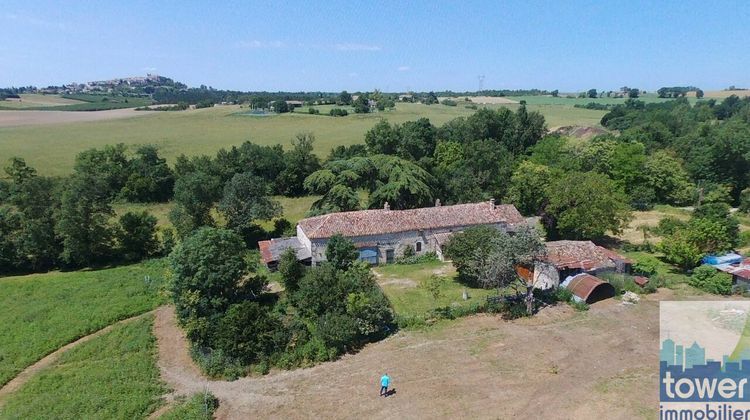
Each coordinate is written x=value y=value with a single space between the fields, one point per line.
x=77 y=102
x=52 y=148
x=37 y=100
x=113 y=376
x=403 y=284
x=42 y=312
x=562 y=100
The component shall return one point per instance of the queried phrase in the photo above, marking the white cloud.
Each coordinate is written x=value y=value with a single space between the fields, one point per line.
x=404 y=68
x=256 y=44
x=356 y=47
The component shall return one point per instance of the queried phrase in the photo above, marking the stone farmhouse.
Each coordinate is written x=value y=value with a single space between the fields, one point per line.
x=382 y=235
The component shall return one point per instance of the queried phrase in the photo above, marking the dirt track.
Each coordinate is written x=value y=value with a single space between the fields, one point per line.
x=22 y=118
x=559 y=364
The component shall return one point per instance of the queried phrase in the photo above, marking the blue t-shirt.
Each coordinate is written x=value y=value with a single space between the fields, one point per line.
x=385 y=380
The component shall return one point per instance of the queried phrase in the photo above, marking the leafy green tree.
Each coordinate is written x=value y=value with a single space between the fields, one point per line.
x=280 y=107
x=497 y=268
x=592 y=93
x=463 y=247
x=528 y=186
x=417 y=139
x=401 y=183
x=150 y=179
x=341 y=252
x=83 y=221
x=194 y=194
x=246 y=200
x=291 y=270
x=110 y=165
x=361 y=104
x=300 y=163
x=345 y=98
x=9 y=253
x=555 y=93
x=680 y=250
x=585 y=206
x=137 y=236
x=248 y=332
x=383 y=138
x=745 y=201
x=634 y=93
x=38 y=200
x=669 y=180
x=207 y=270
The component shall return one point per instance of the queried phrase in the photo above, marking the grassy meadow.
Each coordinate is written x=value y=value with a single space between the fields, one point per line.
x=43 y=312
x=113 y=376
x=404 y=285
x=78 y=102
x=37 y=100
x=52 y=148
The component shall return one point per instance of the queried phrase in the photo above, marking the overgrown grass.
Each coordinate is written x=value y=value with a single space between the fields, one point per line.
x=113 y=376
x=42 y=312
x=406 y=286
x=198 y=407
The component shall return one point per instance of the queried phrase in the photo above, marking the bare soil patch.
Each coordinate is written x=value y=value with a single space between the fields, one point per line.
x=25 y=118
x=491 y=100
x=559 y=364
x=579 y=132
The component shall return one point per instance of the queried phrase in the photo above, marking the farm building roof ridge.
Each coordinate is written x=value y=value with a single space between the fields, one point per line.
x=384 y=221
x=585 y=255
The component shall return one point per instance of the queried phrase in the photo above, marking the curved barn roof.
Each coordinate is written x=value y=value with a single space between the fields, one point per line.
x=590 y=288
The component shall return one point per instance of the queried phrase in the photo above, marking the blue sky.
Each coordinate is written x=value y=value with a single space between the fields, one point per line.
x=392 y=46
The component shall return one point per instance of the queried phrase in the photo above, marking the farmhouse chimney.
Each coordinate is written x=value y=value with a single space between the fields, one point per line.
x=492 y=204
x=386 y=206
x=437 y=203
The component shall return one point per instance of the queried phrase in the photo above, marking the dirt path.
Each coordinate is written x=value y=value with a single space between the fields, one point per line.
x=51 y=358
x=559 y=364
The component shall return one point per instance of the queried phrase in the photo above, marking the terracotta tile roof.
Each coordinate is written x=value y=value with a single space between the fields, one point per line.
x=376 y=222
x=581 y=254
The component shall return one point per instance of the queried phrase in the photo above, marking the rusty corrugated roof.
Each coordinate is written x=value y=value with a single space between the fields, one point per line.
x=584 y=285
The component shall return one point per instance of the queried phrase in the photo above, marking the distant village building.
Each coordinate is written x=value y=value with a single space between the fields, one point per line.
x=295 y=104
x=382 y=235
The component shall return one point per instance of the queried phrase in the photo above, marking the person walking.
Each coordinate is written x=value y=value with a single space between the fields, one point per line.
x=385 y=380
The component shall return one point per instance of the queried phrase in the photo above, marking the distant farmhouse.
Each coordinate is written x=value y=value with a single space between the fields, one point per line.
x=382 y=235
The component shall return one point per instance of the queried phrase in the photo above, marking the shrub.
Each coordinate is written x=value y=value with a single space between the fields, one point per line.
x=745 y=201
x=745 y=238
x=646 y=266
x=449 y=102
x=579 y=306
x=248 y=332
x=338 y=112
x=313 y=111
x=418 y=259
x=669 y=225
x=710 y=280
